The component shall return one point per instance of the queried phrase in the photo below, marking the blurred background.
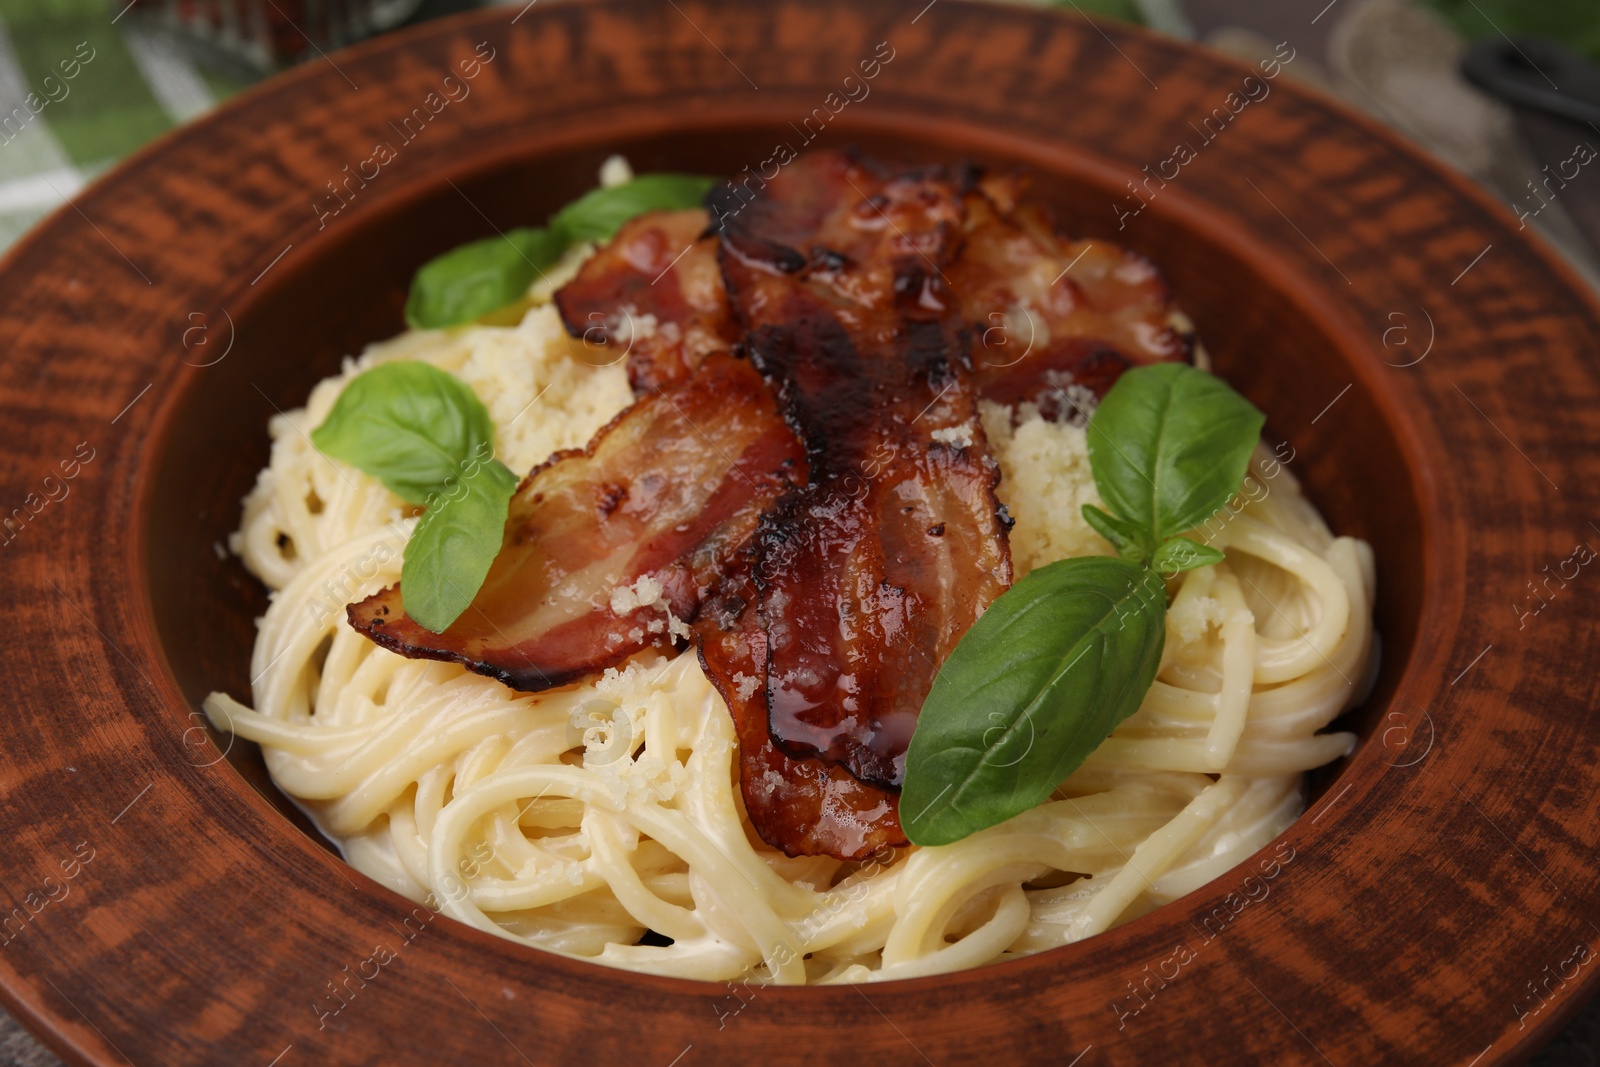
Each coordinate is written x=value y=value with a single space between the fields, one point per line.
x=1506 y=91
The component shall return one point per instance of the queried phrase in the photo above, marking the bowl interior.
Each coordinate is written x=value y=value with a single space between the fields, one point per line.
x=1264 y=330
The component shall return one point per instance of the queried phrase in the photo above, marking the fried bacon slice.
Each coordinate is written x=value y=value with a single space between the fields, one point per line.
x=653 y=295
x=610 y=549
x=869 y=573
x=1047 y=312
x=825 y=513
x=805 y=807
x=1050 y=313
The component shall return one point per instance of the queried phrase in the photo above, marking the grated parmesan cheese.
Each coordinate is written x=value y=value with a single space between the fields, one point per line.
x=954 y=436
x=646 y=593
x=1189 y=618
x=1044 y=482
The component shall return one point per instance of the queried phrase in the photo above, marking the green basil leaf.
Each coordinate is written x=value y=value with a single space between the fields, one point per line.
x=1131 y=541
x=469 y=282
x=479 y=277
x=456 y=540
x=408 y=424
x=1037 y=683
x=1181 y=554
x=1169 y=445
x=596 y=215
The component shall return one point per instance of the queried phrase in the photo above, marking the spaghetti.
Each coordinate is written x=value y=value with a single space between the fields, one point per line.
x=603 y=819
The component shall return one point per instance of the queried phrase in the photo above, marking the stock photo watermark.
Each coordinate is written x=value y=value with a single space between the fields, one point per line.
x=344 y=987
x=1583 y=153
x=1550 y=981
x=1252 y=490
x=344 y=588
x=54 y=487
x=411 y=126
x=1407 y=737
x=54 y=89
x=1144 y=987
x=50 y=890
x=1254 y=90
x=737 y=192
x=1397 y=337
x=1581 y=556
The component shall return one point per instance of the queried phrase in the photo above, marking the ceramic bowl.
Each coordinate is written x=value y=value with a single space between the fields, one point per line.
x=1430 y=365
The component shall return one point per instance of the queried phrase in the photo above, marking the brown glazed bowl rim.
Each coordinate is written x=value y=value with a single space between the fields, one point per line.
x=1430 y=894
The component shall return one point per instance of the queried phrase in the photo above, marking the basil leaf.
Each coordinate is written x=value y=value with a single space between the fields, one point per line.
x=596 y=215
x=1181 y=554
x=469 y=282
x=476 y=278
x=1131 y=541
x=1037 y=683
x=425 y=434
x=1169 y=445
x=456 y=540
x=408 y=424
